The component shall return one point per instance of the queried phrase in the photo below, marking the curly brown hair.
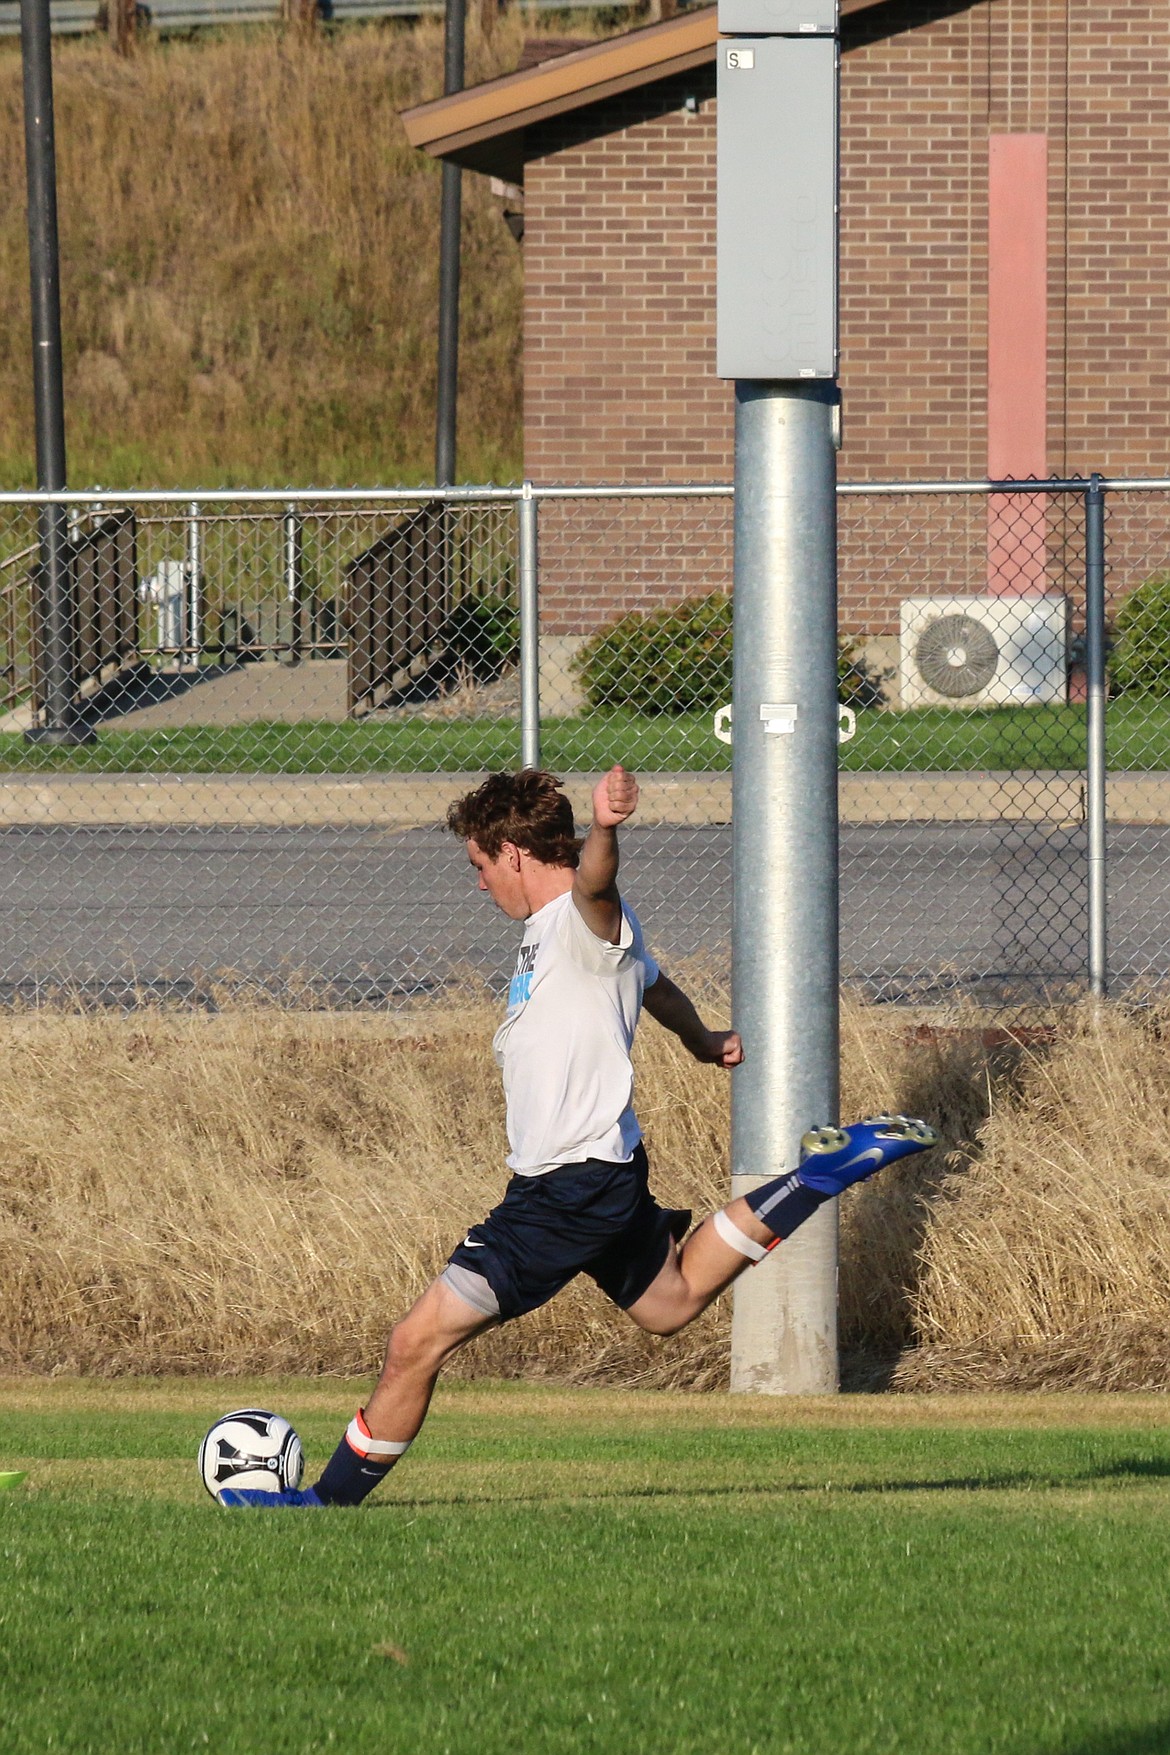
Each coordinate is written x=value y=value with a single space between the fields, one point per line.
x=529 y=809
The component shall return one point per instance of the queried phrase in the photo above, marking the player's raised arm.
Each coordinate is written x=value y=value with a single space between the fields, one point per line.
x=670 y=1007
x=595 y=891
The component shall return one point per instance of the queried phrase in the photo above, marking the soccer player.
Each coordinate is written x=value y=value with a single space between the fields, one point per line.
x=578 y=1200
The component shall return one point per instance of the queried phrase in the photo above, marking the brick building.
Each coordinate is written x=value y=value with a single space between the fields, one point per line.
x=1005 y=301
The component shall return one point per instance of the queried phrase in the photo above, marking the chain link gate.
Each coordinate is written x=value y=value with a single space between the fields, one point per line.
x=275 y=697
x=964 y=833
x=1137 y=620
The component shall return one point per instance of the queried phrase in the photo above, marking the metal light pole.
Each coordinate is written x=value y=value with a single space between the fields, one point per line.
x=53 y=609
x=449 y=231
x=777 y=338
x=784 y=933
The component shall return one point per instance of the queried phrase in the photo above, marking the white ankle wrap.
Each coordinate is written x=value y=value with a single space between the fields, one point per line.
x=377 y=1449
x=735 y=1238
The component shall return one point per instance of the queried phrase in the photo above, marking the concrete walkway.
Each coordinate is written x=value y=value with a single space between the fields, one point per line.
x=225 y=694
x=406 y=801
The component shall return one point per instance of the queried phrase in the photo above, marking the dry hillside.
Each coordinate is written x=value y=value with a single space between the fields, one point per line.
x=250 y=265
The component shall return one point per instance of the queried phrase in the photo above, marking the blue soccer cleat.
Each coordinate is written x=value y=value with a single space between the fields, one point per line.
x=833 y=1158
x=258 y=1499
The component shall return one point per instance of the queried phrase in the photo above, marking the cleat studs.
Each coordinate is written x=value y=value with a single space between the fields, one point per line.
x=902 y=1127
x=823 y=1139
x=908 y=1127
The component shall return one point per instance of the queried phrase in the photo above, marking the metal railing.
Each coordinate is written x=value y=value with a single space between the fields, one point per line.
x=304 y=680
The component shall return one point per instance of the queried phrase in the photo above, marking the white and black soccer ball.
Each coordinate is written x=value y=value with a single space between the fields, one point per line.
x=251 y=1448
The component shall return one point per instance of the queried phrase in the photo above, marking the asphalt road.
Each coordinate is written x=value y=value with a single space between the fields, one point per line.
x=362 y=914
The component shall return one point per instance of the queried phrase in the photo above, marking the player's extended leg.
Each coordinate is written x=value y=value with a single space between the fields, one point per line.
x=727 y=1242
x=432 y=1330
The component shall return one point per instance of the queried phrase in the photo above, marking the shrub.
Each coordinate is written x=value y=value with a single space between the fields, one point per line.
x=483 y=633
x=858 y=683
x=678 y=660
x=1139 y=662
x=674 y=660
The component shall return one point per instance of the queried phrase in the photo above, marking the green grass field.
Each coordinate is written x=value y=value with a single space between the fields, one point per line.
x=1043 y=737
x=927 y=740
x=596 y=1571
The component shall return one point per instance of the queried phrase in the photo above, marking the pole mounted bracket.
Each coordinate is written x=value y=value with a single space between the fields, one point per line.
x=779 y=717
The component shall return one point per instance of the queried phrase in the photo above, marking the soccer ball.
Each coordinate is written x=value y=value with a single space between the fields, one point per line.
x=251 y=1448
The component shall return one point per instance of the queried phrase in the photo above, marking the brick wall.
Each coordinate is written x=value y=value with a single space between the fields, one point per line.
x=619 y=363
x=1118 y=385
x=913 y=254
x=620 y=265
x=619 y=260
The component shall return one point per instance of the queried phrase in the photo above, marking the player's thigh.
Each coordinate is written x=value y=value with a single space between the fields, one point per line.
x=667 y=1303
x=435 y=1326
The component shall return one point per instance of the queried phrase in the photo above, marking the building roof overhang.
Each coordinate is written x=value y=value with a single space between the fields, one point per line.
x=483 y=127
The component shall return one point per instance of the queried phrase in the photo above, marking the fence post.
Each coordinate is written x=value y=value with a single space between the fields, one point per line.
x=1095 y=757
x=529 y=632
x=191 y=632
x=293 y=575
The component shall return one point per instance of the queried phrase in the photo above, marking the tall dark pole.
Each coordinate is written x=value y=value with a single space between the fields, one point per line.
x=449 y=224
x=53 y=608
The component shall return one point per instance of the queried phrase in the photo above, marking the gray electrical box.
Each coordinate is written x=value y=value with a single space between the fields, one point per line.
x=777 y=18
x=776 y=228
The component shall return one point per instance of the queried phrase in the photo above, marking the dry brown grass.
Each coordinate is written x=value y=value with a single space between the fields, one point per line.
x=264 y=1191
x=250 y=264
x=1046 y=1259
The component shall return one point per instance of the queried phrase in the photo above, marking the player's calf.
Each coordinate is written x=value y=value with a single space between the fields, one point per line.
x=358 y=1465
x=831 y=1160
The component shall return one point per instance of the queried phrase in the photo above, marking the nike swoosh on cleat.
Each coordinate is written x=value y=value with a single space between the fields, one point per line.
x=874 y=1156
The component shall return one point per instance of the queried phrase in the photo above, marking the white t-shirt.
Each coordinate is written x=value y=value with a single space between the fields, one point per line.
x=564 y=1045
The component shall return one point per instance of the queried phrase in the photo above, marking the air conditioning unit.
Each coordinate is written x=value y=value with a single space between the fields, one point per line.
x=983 y=651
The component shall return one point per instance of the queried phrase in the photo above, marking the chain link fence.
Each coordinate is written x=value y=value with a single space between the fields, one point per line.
x=232 y=724
x=1137 y=620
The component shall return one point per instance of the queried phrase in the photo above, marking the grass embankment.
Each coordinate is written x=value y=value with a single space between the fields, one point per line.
x=264 y=1191
x=927 y=740
x=249 y=264
x=601 y=1572
x=931 y=740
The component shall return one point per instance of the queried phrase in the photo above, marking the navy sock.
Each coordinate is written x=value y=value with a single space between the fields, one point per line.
x=349 y=1478
x=785 y=1203
x=352 y=1473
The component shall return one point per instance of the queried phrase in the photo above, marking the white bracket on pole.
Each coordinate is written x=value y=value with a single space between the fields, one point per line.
x=846 y=721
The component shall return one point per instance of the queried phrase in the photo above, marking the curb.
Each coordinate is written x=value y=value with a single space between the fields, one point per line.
x=397 y=802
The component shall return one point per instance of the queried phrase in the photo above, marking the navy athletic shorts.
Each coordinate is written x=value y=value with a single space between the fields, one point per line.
x=590 y=1218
